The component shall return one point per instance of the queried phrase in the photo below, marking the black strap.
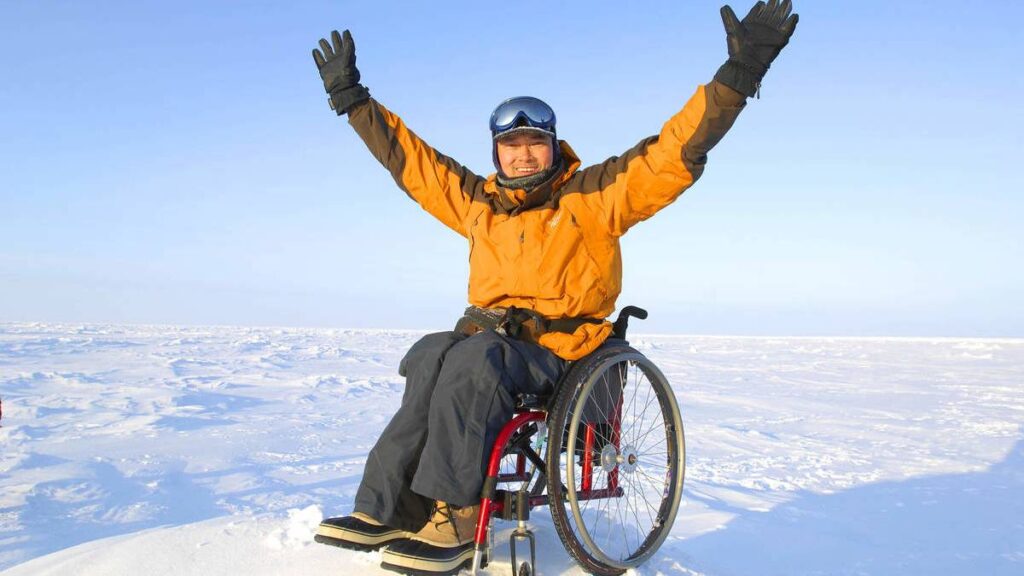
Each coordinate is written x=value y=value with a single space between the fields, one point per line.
x=521 y=323
x=569 y=325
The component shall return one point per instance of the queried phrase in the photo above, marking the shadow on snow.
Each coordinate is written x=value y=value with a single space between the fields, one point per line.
x=969 y=524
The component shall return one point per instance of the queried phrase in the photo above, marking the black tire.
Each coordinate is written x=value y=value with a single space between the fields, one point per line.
x=647 y=457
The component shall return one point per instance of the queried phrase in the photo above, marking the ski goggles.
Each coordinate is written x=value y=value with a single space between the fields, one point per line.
x=522 y=111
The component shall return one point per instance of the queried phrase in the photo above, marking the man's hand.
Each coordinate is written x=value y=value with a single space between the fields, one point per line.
x=337 y=66
x=754 y=43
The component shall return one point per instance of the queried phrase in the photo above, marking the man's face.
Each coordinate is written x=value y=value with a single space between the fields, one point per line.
x=524 y=154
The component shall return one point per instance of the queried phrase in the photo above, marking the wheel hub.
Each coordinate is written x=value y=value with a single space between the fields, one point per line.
x=611 y=458
x=629 y=459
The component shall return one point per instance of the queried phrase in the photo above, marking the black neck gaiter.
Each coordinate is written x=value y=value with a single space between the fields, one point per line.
x=528 y=182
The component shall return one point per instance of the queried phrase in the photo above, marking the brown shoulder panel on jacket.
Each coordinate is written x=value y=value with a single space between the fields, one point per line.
x=600 y=176
x=723 y=106
x=440 y=185
x=379 y=136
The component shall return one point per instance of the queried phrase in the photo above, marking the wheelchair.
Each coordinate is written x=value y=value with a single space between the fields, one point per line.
x=605 y=452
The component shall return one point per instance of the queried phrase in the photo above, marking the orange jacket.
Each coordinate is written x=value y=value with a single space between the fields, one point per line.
x=554 y=250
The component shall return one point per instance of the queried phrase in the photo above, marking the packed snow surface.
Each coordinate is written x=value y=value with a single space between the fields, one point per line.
x=167 y=450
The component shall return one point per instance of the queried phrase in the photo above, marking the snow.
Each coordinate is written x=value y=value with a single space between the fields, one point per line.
x=174 y=450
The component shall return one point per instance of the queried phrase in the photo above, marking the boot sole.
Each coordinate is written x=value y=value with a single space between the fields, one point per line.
x=419 y=566
x=351 y=540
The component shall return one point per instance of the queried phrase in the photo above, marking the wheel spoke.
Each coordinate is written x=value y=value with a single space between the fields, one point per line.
x=635 y=517
x=649 y=508
x=659 y=424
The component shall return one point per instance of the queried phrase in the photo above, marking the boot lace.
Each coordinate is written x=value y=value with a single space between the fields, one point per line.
x=441 y=515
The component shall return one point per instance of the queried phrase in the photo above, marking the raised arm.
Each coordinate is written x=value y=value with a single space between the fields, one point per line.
x=627 y=189
x=442 y=186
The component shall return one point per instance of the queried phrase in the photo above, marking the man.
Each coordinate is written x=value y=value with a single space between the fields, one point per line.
x=545 y=272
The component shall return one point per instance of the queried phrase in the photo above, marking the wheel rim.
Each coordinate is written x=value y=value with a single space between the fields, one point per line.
x=645 y=458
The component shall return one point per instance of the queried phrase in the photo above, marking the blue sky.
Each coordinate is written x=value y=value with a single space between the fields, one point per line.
x=176 y=162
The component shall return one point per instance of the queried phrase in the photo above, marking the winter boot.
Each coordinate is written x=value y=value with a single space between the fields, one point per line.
x=443 y=546
x=357 y=532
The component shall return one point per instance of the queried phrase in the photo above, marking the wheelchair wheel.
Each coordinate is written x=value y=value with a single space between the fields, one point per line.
x=616 y=442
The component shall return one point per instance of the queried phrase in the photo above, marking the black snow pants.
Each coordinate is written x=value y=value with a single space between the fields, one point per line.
x=460 y=391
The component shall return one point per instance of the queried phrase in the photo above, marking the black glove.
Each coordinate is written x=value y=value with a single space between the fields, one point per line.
x=754 y=43
x=338 y=69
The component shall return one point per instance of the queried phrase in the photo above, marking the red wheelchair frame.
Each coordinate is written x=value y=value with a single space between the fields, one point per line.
x=496 y=502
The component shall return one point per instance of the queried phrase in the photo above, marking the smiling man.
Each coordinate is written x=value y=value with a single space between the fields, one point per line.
x=545 y=271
